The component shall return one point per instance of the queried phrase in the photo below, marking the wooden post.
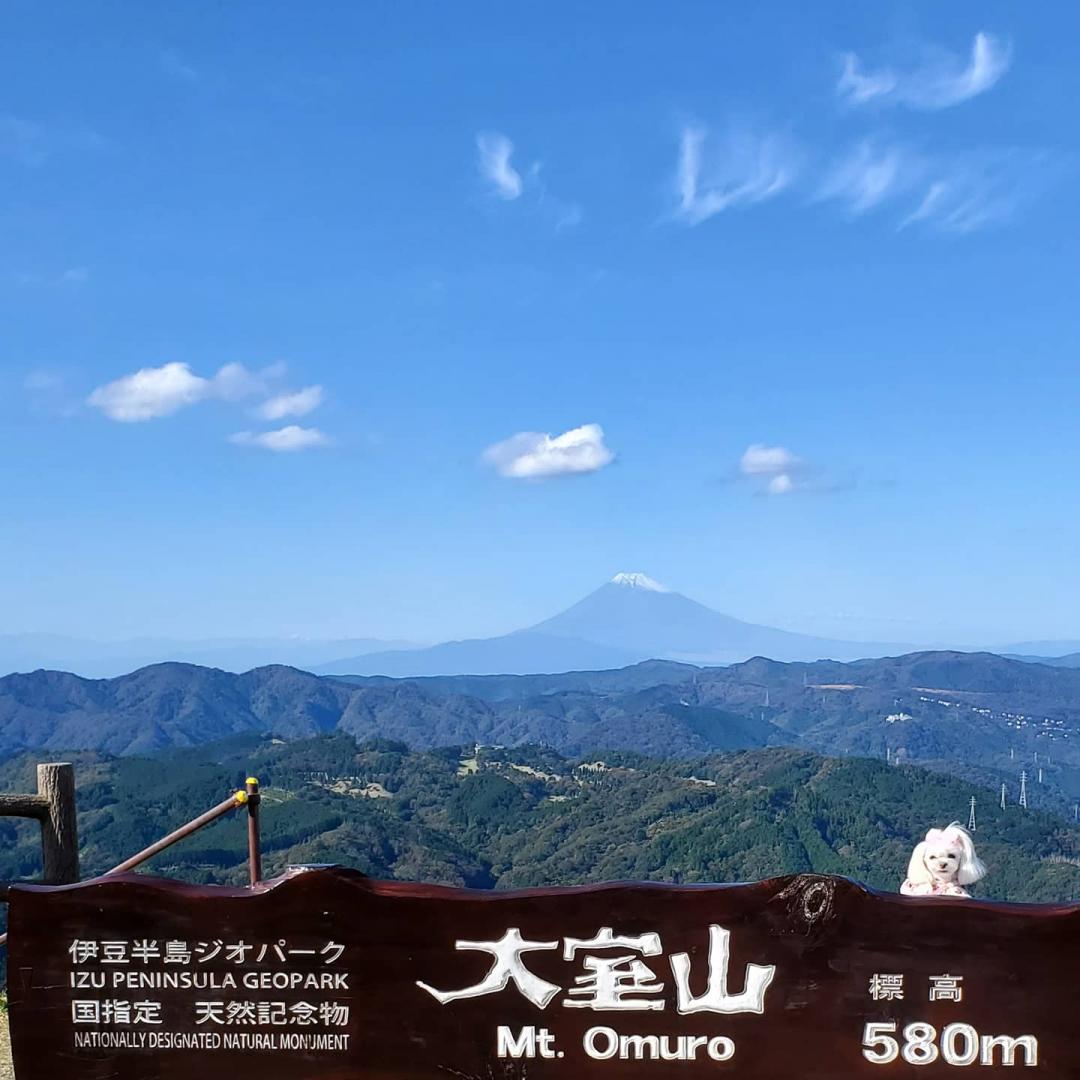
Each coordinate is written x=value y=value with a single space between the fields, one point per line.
x=59 y=826
x=254 y=847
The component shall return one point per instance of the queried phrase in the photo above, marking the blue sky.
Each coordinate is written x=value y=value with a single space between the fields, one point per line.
x=798 y=281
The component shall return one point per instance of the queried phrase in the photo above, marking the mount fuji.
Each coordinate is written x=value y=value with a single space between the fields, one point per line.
x=628 y=619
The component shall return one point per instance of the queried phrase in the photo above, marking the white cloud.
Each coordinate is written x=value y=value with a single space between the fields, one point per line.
x=150 y=393
x=283 y=440
x=155 y=392
x=780 y=484
x=748 y=168
x=762 y=460
x=299 y=403
x=495 y=151
x=941 y=80
x=775 y=469
x=532 y=455
x=234 y=382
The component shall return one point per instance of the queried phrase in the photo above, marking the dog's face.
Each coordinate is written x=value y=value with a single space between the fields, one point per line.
x=943 y=862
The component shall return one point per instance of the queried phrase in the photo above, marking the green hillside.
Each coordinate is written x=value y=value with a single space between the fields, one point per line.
x=527 y=816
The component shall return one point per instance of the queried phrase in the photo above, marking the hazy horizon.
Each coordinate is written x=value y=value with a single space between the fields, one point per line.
x=377 y=643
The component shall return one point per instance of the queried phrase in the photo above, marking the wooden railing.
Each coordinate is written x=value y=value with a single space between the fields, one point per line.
x=54 y=807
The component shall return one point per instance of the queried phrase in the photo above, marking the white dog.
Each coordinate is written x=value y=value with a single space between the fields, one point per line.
x=943 y=863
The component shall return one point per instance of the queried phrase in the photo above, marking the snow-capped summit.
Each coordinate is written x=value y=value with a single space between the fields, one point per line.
x=629 y=619
x=638 y=581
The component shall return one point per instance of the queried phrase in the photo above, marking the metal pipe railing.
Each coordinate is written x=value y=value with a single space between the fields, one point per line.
x=233 y=802
x=248 y=796
x=254 y=850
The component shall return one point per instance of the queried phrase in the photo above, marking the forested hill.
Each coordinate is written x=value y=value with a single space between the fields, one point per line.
x=979 y=715
x=528 y=816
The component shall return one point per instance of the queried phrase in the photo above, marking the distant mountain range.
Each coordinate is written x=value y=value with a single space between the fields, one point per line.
x=1069 y=660
x=522 y=652
x=630 y=619
x=980 y=716
x=104 y=659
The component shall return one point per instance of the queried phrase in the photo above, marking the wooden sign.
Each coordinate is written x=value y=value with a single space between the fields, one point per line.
x=324 y=974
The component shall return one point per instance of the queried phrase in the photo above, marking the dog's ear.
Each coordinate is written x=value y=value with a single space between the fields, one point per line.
x=917 y=873
x=971 y=866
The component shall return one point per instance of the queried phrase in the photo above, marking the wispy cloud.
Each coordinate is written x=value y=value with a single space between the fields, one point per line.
x=961 y=192
x=945 y=188
x=283 y=440
x=71 y=278
x=525 y=186
x=298 y=403
x=966 y=195
x=940 y=80
x=869 y=175
x=744 y=168
x=176 y=67
x=532 y=455
x=858 y=87
x=48 y=392
x=33 y=144
x=494 y=153
x=564 y=215
x=42 y=381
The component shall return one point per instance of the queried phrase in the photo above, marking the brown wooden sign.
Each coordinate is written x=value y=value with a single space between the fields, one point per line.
x=326 y=974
